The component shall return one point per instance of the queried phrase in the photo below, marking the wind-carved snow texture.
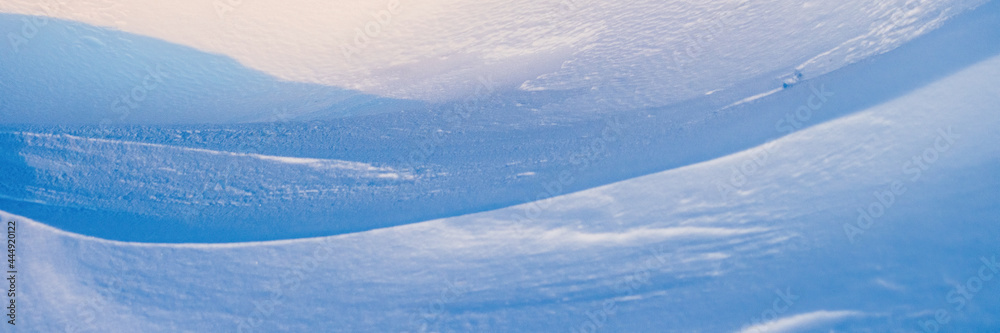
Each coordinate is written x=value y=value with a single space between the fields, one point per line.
x=600 y=57
x=614 y=256
x=900 y=22
x=863 y=199
x=165 y=173
x=161 y=184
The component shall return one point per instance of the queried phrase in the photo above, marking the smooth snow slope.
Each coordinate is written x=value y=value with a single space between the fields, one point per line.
x=72 y=73
x=665 y=252
x=283 y=180
x=632 y=54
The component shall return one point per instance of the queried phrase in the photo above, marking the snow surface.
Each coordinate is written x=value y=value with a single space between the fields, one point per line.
x=736 y=211
x=206 y=183
x=587 y=56
x=681 y=259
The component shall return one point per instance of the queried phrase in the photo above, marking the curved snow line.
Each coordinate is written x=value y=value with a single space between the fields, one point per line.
x=442 y=49
x=807 y=189
x=315 y=163
x=565 y=235
x=906 y=22
x=275 y=201
x=800 y=321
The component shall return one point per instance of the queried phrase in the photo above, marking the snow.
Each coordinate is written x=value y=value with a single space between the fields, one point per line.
x=798 y=322
x=859 y=200
x=600 y=58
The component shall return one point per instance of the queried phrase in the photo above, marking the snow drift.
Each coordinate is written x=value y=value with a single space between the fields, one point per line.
x=764 y=196
x=586 y=56
x=778 y=253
